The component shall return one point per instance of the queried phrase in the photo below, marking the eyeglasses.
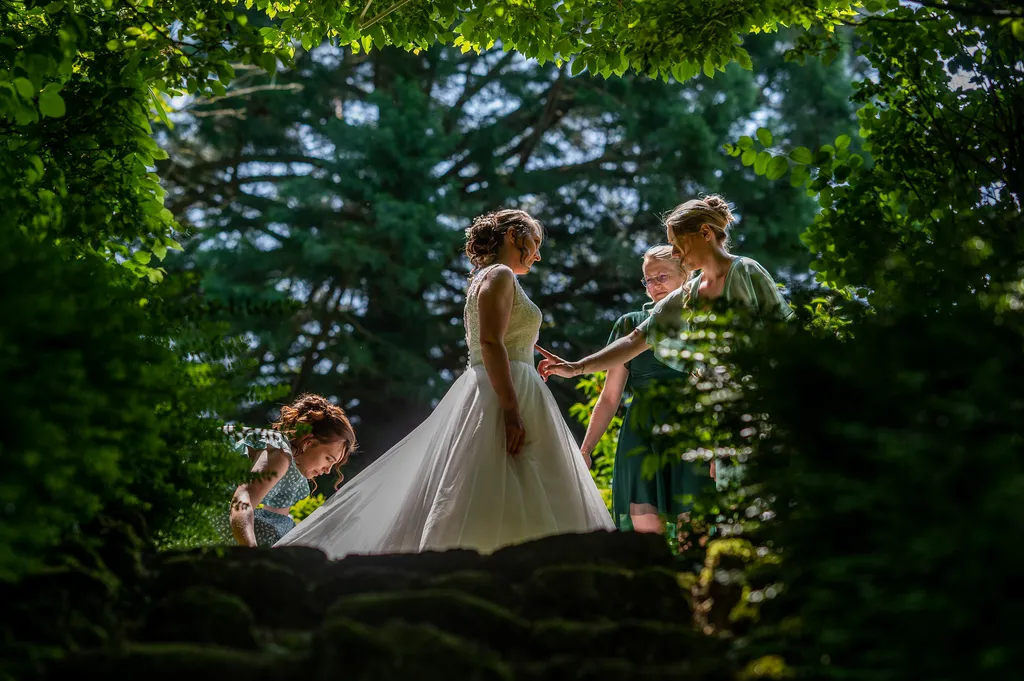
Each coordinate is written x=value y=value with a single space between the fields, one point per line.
x=660 y=279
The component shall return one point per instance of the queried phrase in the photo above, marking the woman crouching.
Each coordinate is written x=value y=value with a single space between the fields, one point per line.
x=312 y=438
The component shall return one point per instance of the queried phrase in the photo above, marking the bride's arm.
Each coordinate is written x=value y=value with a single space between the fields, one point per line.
x=616 y=354
x=495 y=306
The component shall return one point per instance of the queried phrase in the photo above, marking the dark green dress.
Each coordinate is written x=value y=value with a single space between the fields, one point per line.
x=665 y=491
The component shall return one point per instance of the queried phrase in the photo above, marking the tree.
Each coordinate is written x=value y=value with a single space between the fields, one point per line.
x=334 y=200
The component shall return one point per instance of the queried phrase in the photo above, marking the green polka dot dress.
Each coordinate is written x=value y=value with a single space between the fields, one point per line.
x=289 y=490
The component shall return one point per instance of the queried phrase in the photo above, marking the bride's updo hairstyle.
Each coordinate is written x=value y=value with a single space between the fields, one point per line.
x=487 y=233
x=325 y=420
x=712 y=211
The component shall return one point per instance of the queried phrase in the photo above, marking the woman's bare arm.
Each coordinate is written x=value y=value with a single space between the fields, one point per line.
x=270 y=467
x=494 y=301
x=616 y=354
x=605 y=409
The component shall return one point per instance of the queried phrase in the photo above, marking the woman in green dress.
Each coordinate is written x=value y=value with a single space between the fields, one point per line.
x=699 y=233
x=312 y=438
x=640 y=503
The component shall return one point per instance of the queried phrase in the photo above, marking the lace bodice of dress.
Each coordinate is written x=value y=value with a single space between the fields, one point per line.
x=523 y=324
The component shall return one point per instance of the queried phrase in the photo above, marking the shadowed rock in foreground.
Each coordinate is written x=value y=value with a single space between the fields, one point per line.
x=605 y=606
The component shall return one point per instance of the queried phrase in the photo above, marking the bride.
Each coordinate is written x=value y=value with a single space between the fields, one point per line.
x=495 y=463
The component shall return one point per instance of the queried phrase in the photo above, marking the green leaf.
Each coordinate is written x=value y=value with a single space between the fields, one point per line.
x=1017 y=27
x=761 y=162
x=802 y=155
x=764 y=136
x=25 y=88
x=746 y=142
x=51 y=104
x=842 y=142
x=160 y=251
x=743 y=59
x=777 y=168
x=142 y=257
x=709 y=68
x=576 y=67
x=268 y=60
x=825 y=197
x=158 y=105
x=799 y=176
x=748 y=157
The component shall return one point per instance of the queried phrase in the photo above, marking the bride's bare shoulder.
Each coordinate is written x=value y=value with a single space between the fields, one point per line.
x=497 y=277
x=498 y=273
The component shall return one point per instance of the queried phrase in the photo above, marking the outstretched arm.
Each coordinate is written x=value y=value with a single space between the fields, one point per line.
x=616 y=354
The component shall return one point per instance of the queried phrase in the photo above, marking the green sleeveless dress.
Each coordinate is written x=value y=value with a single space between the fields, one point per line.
x=667 y=489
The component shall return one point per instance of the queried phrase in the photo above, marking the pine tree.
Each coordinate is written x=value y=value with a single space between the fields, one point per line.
x=331 y=200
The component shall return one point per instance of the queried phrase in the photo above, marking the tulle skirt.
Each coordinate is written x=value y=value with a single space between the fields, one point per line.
x=450 y=484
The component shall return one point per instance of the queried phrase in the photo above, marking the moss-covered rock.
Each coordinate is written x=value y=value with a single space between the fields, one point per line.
x=453 y=612
x=603 y=605
x=629 y=550
x=202 y=614
x=642 y=642
x=399 y=650
x=346 y=582
x=571 y=668
x=277 y=595
x=177 y=662
x=489 y=586
x=600 y=592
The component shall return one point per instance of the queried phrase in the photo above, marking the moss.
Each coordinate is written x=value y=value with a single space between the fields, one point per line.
x=568 y=668
x=643 y=642
x=451 y=611
x=597 y=592
x=277 y=596
x=347 y=582
x=399 y=650
x=202 y=614
x=482 y=584
x=629 y=550
x=177 y=662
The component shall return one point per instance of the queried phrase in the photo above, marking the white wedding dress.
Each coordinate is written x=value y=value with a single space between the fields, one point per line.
x=451 y=484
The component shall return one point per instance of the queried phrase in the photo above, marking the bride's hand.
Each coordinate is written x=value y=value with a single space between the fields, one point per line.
x=552 y=364
x=515 y=432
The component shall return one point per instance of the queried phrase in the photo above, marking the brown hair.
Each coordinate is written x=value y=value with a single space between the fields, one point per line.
x=663 y=252
x=712 y=211
x=485 y=236
x=325 y=420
